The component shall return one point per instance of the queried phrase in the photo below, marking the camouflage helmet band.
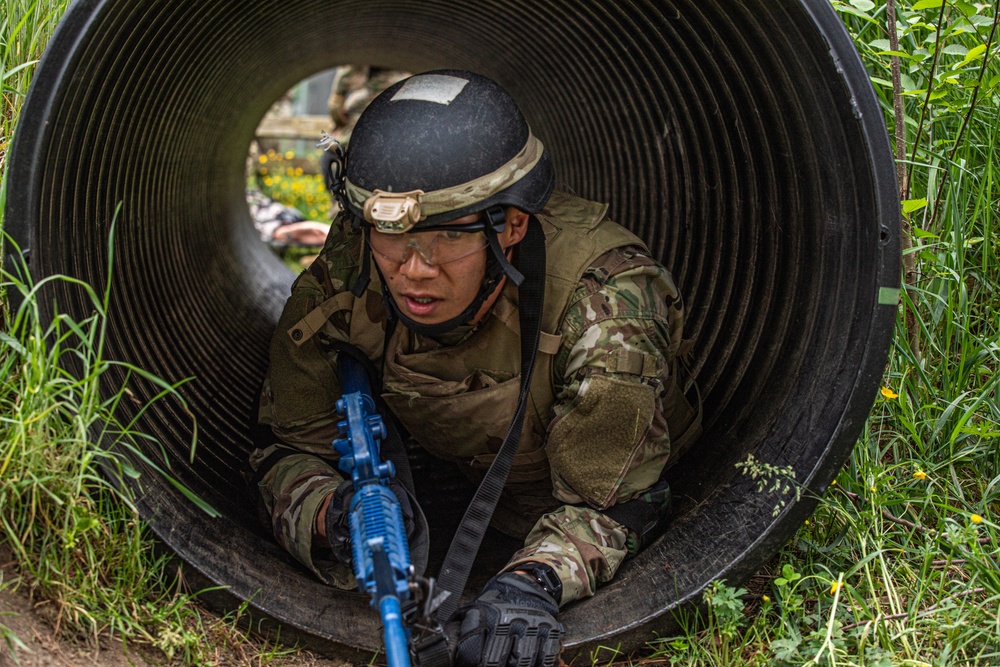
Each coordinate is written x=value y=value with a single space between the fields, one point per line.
x=396 y=213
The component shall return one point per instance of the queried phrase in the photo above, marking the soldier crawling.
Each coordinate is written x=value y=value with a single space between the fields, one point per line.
x=443 y=180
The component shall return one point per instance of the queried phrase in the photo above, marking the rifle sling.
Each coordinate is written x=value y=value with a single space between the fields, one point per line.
x=469 y=535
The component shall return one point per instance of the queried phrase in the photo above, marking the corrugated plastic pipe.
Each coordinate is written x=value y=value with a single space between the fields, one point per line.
x=741 y=140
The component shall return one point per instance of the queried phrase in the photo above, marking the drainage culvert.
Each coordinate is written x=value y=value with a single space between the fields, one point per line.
x=742 y=141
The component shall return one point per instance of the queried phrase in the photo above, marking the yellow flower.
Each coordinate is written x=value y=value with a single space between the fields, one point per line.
x=874 y=489
x=833 y=483
x=289 y=155
x=807 y=522
x=262 y=159
x=834 y=586
x=919 y=474
x=765 y=598
x=976 y=518
x=889 y=393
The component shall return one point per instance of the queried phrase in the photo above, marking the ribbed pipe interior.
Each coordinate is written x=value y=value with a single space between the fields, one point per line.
x=742 y=141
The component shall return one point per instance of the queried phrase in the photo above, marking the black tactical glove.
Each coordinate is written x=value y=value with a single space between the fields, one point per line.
x=338 y=522
x=511 y=624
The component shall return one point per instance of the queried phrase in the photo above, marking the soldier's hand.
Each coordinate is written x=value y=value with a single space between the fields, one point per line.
x=513 y=623
x=338 y=524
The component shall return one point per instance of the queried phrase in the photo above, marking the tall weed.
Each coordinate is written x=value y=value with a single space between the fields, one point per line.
x=68 y=513
x=25 y=28
x=68 y=516
x=900 y=564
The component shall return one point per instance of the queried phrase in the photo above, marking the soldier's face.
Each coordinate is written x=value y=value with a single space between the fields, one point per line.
x=435 y=293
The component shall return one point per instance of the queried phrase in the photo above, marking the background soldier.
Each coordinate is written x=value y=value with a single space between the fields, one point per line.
x=354 y=87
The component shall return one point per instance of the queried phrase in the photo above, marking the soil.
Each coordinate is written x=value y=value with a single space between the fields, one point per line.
x=45 y=646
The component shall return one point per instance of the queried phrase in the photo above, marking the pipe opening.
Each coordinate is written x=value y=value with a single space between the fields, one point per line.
x=287 y=192
x=742 y=141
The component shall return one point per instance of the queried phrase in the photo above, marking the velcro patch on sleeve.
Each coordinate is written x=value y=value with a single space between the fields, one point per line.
x=591 y=446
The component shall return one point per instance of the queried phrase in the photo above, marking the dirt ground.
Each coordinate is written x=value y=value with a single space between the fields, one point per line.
x=45 y=647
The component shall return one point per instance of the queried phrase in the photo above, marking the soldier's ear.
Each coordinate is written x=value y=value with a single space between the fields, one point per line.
x=517 y=227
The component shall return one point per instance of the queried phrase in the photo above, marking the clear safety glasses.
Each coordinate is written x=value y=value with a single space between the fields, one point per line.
x=438 y=245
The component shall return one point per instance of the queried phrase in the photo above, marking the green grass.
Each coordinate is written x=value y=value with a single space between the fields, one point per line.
x=899 y=564
x=25 y=28
x=67 y=518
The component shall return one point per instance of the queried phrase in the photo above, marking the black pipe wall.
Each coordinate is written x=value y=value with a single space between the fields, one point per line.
x=741 y=140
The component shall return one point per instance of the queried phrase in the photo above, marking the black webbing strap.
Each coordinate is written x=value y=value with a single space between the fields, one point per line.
x=464 y=546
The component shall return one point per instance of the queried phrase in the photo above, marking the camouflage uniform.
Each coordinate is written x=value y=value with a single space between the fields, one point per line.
x=601 y=397
x=354 y=86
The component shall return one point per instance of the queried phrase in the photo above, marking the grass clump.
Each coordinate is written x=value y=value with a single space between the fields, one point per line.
x=900 y=564
x=68 y=517
x=68 y=465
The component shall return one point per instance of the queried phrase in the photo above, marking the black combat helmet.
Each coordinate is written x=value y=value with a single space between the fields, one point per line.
x=458 y=138
x=436 y=147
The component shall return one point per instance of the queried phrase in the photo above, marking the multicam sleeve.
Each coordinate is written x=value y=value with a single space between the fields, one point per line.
x=607 y=442
x=297 y=470
x=292 y=491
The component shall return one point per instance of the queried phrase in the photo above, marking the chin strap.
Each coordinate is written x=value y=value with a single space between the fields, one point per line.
x=496 y=218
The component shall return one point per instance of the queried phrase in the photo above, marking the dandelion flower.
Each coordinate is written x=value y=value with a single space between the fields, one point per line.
x=919 y=474
x=889 y=393
x=765 y=598
x=262 y=159
x=807 y=522
x=289 y=155
x=976 y=518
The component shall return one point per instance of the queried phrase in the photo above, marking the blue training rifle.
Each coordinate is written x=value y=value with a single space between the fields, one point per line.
x=378 y=534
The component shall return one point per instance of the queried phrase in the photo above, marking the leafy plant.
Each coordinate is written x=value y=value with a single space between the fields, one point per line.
x=770 y=478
